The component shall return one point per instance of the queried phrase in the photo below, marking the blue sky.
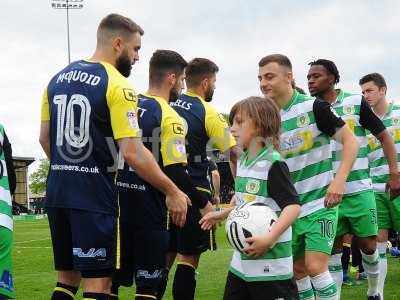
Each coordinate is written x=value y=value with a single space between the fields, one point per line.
x=361 y=36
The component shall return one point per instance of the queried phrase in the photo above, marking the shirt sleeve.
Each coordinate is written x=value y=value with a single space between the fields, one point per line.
x=173 y=149
x=218 y=130
x=122 y=103
x=369 y=120
x=45 y=112
x=12 y=179
x=326 y=118
x=280 y=186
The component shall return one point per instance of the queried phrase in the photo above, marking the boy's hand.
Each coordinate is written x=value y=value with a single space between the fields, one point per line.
x=206 y=209
x=210 y=219
x=259 y=244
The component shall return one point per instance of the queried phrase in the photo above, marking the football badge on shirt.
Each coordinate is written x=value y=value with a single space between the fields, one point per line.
x=349 y=110
x=132 y=119
x=130 y=95
x=396 y=121
x=303 y=120
x=178 y=128
x=253 y=186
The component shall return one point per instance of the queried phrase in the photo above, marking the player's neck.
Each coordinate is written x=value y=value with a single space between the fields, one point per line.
x=381 y=108
x=329 y=96
x=196 y=91
x=284 y=99
x=159 y=92
x=103 y=55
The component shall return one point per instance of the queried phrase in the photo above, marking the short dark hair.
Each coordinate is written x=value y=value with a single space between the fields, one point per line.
x=329 y=66
x=376 y=78
x=163 y=62
x=280 y=59
x=198 y=69
x=119 y=24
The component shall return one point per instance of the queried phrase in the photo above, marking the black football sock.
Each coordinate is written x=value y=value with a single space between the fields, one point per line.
x=114 y=291
x=95 y=296
x=63 y=292
x=184 y=283
x=163 y=285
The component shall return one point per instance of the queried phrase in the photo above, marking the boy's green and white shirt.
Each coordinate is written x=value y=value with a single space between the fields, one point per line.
x=347 y=106
x=307 y=152
x=251 y=184
x=379 y=169
x=5 y=195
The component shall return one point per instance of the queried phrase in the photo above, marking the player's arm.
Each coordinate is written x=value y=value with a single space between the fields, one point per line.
x=282 y=190
x=44 y=138
x=122 y=105
x=137 y=156
x=211 y=218
x=216 y=179
x=174 y=159
x=12 y=179
x=220 y=137
x=177 y=173
x=370 y=121
x=332 y=125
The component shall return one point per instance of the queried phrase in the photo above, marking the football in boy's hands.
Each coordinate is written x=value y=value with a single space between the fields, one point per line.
x=247 y=220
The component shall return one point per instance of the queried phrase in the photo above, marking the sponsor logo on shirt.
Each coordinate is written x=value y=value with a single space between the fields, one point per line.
x=301 y=141
x=183 y=104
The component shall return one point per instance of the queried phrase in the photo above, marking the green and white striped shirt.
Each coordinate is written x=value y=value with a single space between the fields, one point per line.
x=5 y=195
x=348 y=106
x=251 y=184
x=307 y=152
x=379 y=168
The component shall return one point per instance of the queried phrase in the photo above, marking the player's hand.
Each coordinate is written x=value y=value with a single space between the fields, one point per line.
x=177 y=203
x=335 y=192
x=210 y=219
x=206 y=209
x=393 y=186
x=258 y=245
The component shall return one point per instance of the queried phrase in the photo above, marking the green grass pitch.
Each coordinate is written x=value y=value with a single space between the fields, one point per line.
x=34 y=276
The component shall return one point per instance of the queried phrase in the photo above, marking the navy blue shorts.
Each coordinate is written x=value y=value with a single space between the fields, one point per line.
x=191 y=239
x=142 y=258
x=83 y=241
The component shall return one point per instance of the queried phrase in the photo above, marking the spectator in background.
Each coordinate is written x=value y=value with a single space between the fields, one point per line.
x=7 y=188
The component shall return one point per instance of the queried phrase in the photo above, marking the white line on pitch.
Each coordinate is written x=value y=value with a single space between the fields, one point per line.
x=30 y=241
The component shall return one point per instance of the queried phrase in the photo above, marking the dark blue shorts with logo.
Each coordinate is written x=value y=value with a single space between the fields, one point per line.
x=83 y=241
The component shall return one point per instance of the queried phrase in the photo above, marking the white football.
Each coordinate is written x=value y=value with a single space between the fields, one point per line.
x=247 y=220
